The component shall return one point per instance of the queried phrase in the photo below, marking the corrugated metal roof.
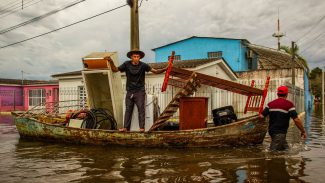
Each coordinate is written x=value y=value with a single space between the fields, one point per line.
x=269 y=58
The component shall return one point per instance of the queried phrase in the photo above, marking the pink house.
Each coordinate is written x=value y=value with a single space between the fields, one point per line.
x=17 y=95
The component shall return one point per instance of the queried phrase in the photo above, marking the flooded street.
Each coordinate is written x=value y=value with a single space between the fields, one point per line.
x=26 y=161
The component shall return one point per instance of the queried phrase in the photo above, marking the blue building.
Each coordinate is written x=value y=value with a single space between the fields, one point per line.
x=233 y=51
x=240 y=55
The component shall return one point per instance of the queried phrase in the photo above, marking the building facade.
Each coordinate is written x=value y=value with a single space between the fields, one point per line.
x=16 y=95
x=233 y=51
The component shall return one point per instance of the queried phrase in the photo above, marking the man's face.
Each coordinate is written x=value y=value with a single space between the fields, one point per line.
x=135 y=58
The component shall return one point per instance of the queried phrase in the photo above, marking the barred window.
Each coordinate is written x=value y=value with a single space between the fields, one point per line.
x=176 y=57
x=216 y=54
x=36 y=97
x=82 y=95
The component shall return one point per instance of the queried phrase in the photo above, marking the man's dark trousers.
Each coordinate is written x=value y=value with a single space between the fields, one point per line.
x=138 y=98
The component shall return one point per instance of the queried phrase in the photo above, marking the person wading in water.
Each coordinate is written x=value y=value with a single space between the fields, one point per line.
x=280 y=111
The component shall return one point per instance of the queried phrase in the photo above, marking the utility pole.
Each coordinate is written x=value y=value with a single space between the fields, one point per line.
x=135 y=43
x=22 y=77
x=293 y=81
x=293 y=72
x=278 y=34
x=323 y=104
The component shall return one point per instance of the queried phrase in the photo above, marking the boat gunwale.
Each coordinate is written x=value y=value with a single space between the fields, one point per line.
x=236 y=123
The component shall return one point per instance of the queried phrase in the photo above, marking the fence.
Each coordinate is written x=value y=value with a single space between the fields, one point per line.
x=11 y=100
x=216 y=97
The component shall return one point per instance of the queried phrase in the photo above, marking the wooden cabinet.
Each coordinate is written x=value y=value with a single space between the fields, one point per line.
x=193 y=112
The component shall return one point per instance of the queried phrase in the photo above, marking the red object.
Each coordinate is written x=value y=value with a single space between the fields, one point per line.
x=256 y=102
x=95 y=64
x=193 y=113
x=169 y=69
x=283 y=90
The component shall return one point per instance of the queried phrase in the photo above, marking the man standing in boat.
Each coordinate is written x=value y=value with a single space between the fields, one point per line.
x=280 y=111
x=135 y=86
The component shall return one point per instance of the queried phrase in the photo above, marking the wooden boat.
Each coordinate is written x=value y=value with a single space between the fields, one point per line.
x=247 y=131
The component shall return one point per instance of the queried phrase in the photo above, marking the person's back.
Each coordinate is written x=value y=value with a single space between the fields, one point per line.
x=280 y=110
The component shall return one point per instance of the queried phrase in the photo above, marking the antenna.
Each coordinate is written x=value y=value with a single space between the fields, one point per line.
x=278 y=34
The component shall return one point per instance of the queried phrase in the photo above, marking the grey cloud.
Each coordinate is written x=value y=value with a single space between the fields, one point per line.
x=161 y=22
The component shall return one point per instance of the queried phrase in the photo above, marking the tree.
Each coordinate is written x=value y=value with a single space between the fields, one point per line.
x=315 y=78
x=288 y=50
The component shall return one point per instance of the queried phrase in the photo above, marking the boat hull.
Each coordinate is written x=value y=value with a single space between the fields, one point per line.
x=247 y=131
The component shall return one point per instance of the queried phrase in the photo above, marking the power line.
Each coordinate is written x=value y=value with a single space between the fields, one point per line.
x=9 y=7
x=13 y=6
x=65 y=26
x=304 y=35
x=310 y=42
x=40 y=17
x=9 y=13
x=7 y=4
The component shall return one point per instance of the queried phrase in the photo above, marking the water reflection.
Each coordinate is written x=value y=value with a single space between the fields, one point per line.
x=40 y=161
x=28 y=161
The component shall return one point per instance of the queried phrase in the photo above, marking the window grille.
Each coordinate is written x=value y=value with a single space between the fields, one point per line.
x=36 y=97
x=176 y=57
x=216 y=54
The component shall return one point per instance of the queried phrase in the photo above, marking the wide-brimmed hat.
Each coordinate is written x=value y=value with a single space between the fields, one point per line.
x=135 y=51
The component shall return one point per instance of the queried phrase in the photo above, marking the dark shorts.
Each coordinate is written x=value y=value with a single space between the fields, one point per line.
x=279 y=142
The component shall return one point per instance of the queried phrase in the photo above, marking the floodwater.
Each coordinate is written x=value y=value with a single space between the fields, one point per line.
x=32 y=161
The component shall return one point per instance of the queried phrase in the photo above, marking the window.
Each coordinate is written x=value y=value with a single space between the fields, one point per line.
x=250 y=64
x=36 y=97
x=82 y=95
x=176 y=57
x=216 y=54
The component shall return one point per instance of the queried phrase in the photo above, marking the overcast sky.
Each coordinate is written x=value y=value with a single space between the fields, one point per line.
x=161 y=22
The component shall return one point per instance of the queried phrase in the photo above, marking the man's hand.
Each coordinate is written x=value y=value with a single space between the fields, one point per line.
x=108 y=58
x=303 y=134
x=111 y=63
x=165 y=69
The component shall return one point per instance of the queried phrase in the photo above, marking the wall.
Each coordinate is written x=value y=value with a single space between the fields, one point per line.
x=11 y=98
x=69 y=88
x=279 y=77
x=197 y=48
x=308 y=95
x=50 y=92
x=281 y=74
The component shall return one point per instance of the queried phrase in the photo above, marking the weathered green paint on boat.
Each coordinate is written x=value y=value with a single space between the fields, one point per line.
x=247 y=131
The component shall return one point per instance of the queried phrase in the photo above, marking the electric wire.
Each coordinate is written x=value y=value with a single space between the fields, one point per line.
x=13 y=6
x=9 y=13
x=304 y=35
x=140 y=4
x=5 y=5
x=40 y=17
x=6 y=9
x=80 y=21
x=310 y=43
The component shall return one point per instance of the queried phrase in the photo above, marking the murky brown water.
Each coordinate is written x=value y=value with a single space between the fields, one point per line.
x=25 y=161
